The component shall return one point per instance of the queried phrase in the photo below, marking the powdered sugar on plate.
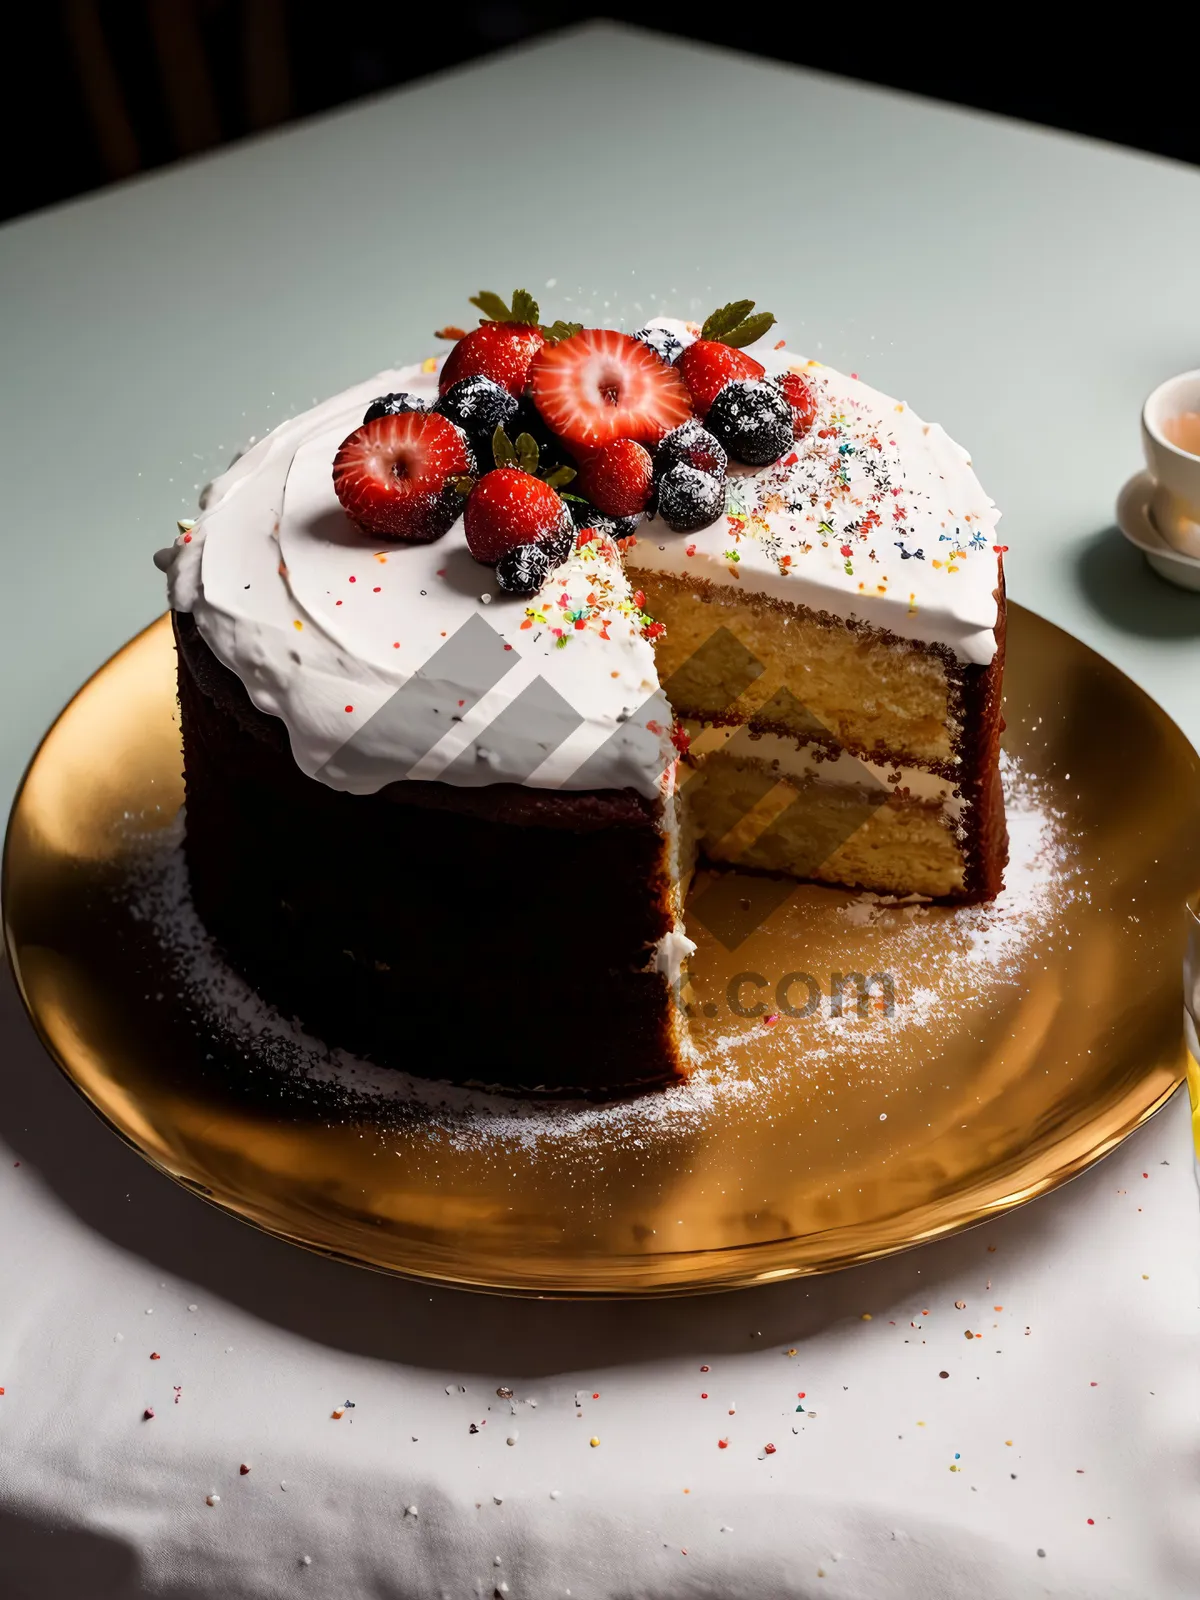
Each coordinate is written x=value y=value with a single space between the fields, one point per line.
x=945 y=961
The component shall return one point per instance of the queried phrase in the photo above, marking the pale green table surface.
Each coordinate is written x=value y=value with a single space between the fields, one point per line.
x=1024 y=288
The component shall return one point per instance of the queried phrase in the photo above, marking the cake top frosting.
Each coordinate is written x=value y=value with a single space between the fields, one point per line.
x=388 y=660
x=873 y=514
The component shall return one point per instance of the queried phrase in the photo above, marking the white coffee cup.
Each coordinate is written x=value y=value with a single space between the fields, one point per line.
x=1175 y=503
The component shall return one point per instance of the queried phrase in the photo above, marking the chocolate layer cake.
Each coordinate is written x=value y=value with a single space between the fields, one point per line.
x=445 y=822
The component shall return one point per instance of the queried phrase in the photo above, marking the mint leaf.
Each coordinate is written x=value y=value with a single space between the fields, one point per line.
x=748 y=331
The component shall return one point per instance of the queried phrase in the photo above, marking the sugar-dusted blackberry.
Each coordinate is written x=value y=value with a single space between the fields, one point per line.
x=559 y=545
x=478 y=405
x=663 y=342
x=691 y=442
x=524 y=570
x=689 y=499
x=624 y=527
x=753 y=420
x=392 y=405
x=583 y=513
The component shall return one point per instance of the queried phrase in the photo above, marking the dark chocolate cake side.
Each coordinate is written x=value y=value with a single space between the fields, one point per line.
x=499 y=935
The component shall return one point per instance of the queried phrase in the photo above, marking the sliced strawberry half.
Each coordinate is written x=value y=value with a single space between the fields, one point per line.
x=707 y=366
x=617 y=479
x=500 y=351
x=599 y=386
x=396 y=476
x=509 y=508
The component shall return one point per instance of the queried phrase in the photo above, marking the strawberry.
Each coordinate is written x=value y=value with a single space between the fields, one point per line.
x=397 y=475
x=509 y=508
x=802 y=398
x=617 y=479
x=598 y=386
x=707 y=366
x=501 y=351
x=506 y=341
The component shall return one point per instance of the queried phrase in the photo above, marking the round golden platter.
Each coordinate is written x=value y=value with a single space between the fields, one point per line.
x=987 y=1054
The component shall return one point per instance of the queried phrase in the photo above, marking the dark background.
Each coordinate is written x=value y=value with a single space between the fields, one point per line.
x=97 y=90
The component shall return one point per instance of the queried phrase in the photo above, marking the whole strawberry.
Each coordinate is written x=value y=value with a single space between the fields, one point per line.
x=618 y=478
x=509 y=508
x=503 y=345
x=398 y=475
x=717 y=357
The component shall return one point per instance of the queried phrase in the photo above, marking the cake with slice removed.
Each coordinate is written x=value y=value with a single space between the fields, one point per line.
x=472 y=655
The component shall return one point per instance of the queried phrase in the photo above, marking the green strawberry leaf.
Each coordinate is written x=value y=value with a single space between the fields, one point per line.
x=463 y=485
x=524 y=307
x=558 y=331
x=748 y=331
x=733 y=325
x=527 y=453
x=579 y=499
x=502 y=450
x=561 y=476
x=493 y=308
x=725 y=319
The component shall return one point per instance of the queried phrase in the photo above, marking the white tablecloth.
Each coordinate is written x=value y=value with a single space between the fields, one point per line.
x=883 y=1440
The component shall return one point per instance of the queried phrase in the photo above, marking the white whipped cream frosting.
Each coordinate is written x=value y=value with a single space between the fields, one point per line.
x=387 y=660
x=325 y=624
x=874 y=514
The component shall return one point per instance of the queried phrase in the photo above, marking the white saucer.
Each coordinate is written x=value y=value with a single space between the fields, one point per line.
x=1134 y=521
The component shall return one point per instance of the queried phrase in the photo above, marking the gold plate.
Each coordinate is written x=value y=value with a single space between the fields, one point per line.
x=1002 y=1049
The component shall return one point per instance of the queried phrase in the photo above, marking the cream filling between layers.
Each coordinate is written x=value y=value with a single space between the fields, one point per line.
x=813 y=763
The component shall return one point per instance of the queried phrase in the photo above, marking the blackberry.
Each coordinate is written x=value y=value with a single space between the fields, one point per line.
x=691 y=442
x=558 y=545
x=663 y=342
x=584 y=515
x=391 y=405
x=752 y=420
x=689 y=499
x=478 y=406
x=525 y=569
x=623 y=527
